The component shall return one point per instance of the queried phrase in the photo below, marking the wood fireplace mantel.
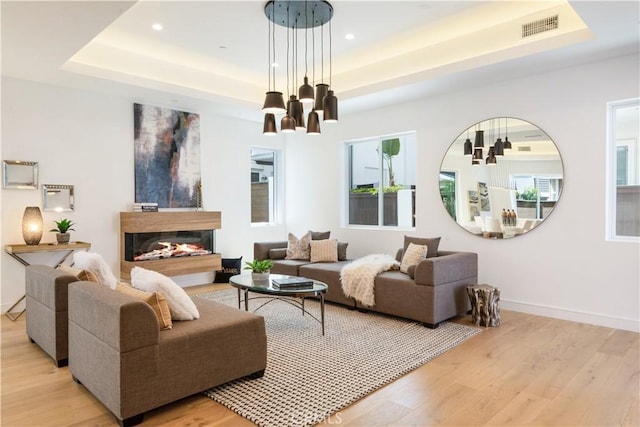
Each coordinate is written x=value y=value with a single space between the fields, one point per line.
x=149 y=222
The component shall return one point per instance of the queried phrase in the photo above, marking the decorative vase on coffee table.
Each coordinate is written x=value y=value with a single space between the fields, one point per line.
x=260 y=277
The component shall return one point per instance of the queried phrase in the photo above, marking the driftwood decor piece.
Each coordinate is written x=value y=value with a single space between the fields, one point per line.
x=485 y=305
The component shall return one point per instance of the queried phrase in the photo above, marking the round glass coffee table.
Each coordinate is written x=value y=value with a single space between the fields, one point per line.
x=290 y=294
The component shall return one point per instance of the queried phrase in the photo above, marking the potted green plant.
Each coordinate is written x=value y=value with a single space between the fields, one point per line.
x=260 y=269
x=62 y=228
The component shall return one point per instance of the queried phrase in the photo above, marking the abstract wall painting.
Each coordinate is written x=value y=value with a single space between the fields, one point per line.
x=483 y=194
x=167 y=156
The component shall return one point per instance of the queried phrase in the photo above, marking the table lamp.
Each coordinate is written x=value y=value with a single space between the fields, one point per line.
x=32 y=225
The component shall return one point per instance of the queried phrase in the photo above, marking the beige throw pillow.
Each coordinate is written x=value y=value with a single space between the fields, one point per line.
x=299 y=248
x=155 y=299
x=324 y=250
x=412 y=256
x=79 y=273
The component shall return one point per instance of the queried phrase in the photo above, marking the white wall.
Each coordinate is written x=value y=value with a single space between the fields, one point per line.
x=86 y=139
x=564 y=268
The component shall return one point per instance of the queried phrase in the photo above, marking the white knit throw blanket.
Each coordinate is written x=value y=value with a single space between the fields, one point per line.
x=358 y=276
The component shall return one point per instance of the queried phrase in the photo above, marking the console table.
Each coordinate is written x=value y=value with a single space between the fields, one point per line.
x=17 y=252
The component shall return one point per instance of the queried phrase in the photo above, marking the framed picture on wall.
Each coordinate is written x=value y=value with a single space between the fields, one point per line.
x=483 y=196
x=474 y=205
x=166 y=156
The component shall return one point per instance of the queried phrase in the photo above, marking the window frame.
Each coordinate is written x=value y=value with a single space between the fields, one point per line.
x=347 y=184
x=611 y=170
x=278 y=187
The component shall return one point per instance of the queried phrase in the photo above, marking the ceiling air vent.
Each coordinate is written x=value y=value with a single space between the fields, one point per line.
x=540 y=26
x=524 y=148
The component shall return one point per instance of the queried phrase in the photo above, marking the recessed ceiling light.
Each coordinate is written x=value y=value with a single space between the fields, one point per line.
x=157 y=27
x=274 y=65
x=349 y=36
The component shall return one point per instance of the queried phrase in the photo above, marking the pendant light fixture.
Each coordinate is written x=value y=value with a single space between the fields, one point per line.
x=498 y=145
x=330 y=102
x=273 y=102
x=269 y=127
x=288 y=123
x=468 y=148
x=305 y=93
x=507 y=143
x=294 y=16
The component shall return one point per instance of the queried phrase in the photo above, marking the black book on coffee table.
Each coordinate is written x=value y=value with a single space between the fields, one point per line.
x=293 y=283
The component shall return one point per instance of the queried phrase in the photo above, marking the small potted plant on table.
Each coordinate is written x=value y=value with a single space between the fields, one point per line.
x=62 y=228
x=260 y=269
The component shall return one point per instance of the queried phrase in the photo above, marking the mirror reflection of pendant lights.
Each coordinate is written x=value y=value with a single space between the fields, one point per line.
x=468 y=148
x=507 y=143
x=294 y=16
x=496 y=150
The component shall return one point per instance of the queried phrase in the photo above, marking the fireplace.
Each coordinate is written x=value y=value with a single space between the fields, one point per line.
x=171 y=243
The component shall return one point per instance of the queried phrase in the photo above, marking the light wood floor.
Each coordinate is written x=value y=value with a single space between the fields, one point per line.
x=530 y=371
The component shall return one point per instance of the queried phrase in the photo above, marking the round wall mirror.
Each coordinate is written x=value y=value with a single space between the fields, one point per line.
x=501 y=178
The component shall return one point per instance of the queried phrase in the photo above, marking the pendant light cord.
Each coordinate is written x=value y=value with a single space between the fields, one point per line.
x=330 y=55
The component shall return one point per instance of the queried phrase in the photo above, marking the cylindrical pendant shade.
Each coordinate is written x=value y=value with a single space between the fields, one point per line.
x=305 y=92
x=32 y=225
x=491 y=157
x=321 y=91
x=274 y=103
x=287 y=124
x=468 y=149
x=479 y=139
x=507 y=143
x=269 y=127
x=296 y=111
x=498 y=147
x=313 y=123
x=477 y=154
x=330 y=107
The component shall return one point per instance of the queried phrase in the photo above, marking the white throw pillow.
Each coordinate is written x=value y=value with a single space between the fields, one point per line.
x=181 y=306
x=412 y=256
x=94 y=263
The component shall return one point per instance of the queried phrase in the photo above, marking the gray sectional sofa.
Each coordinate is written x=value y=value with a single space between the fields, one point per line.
x=433 y=291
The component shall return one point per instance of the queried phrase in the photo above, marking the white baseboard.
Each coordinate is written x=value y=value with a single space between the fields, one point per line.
x=575 y=316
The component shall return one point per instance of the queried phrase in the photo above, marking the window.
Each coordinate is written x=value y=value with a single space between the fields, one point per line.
x=536 y=196
x=623 y=185
x=381 y=181
x=263 y=185
x=448 y=192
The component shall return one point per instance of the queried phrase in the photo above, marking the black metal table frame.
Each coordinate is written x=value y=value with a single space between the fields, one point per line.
x=289 y=297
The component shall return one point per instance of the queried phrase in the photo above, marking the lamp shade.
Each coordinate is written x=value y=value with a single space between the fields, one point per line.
x=491 y=157
x=32 y=225
x=273 y=103
x=296 y=111
x=321 y=91
x=305 y=92
x=479 y=139
x=287 y=124
x=507 y=143
x=468 y=149
x=477 y=156
x=269 y=127
x=313 y=123
x=330 y=107
x=498 y=147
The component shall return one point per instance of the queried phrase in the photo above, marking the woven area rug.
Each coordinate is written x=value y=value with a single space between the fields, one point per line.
x=310 y=376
